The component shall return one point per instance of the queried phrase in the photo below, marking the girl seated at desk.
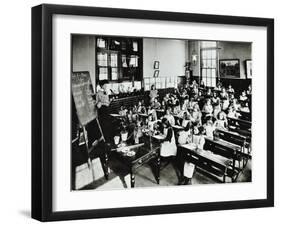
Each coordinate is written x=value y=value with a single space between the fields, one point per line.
x=185 y=136
x=235 y=104
x=185 y=104
x=177 y=108
x=141 y=108
x=168 y=146
x=156 y=104
x=230 y=89
x=232 y=113
x=166 y=99
x=152 y=111
x=245 y=107
x=198 y=137
x=225 y=99
x=188 y=167
x=209 y=93
x=243 y=97
x=150 y=122
x=130 y=115
x=208 y=108
x=217 y=110
x=138 y=131
x=191 y=103
x=196 y=114
x=169 y=116
x=123 y=111
x=249 y=90
x=184 y=95
x=221 y=122
x=186 y=118
x=215 y=99
x=209 y=128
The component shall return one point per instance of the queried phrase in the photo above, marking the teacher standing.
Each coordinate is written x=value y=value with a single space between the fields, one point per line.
x=103 y=102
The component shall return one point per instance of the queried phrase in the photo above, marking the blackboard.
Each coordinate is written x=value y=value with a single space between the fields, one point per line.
x=82 y=94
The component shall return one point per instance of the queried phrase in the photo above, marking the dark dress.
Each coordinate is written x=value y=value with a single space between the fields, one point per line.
x=103 y=115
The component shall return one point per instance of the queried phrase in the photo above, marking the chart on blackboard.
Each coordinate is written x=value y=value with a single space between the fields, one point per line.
x=82 y=95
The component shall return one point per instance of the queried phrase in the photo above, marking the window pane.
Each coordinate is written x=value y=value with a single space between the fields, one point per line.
x=209 y=54
x=209 y=63
x=214 y=54
x=103 y=74
x=102 y=59
x=213 y=63
x=204 y=73
x=113 y=60
x=208 y=73
x=214 y=81
x=204 y=79
x=208 y=44
x=208 y=82
x=213 y=73
x=204 y=63
x=101 y=43
x=204 y=54
x=135 y=46
x=133 y=61
x=114 y=73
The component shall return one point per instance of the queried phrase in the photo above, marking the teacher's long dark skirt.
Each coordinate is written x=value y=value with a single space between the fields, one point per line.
x=105 y=123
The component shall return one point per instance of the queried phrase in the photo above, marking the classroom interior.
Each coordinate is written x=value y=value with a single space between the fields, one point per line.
x=150 y=112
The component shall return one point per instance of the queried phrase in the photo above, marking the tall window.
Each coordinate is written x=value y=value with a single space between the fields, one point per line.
x=209 y=62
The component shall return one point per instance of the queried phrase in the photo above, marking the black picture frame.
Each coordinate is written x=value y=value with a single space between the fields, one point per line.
x=248 y=68
x=156 y=65
x=229 y=68
x=42 y=107
x=156 y=73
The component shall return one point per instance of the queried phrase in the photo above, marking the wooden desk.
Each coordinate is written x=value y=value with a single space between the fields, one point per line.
x=143 y=154
x=240 y=126
x=232 y=137
x=245 y=115
x=237 y=139
x=224 y=148
x=206 y=160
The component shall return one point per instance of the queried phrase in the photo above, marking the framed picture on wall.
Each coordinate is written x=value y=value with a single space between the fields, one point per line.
x=248 y=65
x=229 y=68
x=156 y=73
x=156 y=64
x=118 y=188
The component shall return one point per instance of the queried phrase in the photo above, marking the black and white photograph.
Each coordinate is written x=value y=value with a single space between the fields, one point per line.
x=135 y=124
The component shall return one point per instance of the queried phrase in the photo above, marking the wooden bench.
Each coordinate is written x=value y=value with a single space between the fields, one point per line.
x=212 y=164
x=245 y=115
x=242 y=127
x=237 y=139
x=228 y=150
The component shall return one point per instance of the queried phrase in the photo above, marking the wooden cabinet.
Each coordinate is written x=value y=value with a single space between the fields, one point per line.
x=119 y=59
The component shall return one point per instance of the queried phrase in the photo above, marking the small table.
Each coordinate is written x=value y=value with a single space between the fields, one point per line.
x=143 y=154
